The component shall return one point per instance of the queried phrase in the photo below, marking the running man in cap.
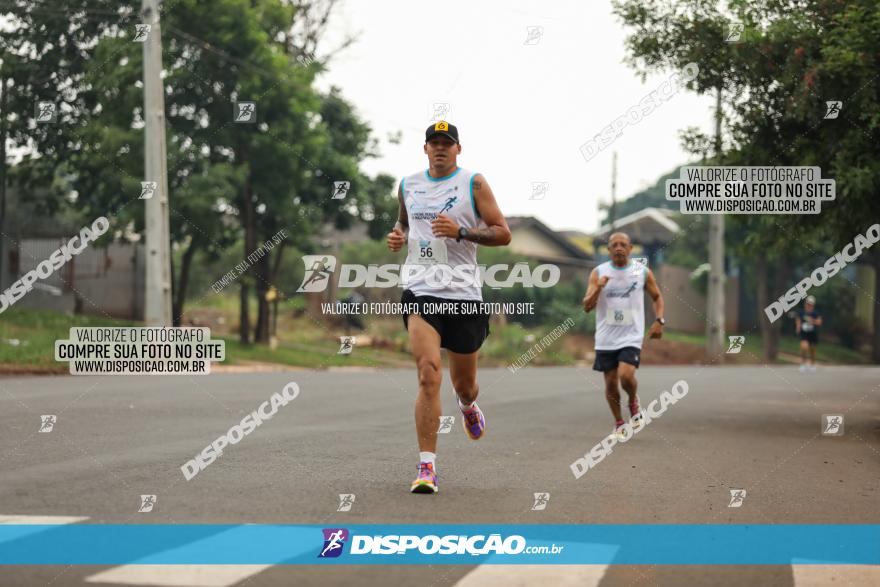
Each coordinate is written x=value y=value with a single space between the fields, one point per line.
x=445 y=212
x=807 y=325
x=616 y=291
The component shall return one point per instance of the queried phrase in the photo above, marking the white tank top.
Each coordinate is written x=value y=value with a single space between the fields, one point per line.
x=620 y=314
x=439 y=266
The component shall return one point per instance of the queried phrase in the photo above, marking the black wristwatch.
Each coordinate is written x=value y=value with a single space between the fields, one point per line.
x=661 y=321
x=462 y=233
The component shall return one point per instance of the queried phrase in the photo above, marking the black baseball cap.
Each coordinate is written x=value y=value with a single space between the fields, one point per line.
x=441 y=127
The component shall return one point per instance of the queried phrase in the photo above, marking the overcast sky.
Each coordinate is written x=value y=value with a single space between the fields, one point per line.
x=523 y=110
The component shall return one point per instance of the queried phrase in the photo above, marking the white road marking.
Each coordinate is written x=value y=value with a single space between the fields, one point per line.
x=527 y=575
x=591 y=575
x=163 y=575
x=177 y=575
x=49 y=520
x=843 y=575
x=35 y=522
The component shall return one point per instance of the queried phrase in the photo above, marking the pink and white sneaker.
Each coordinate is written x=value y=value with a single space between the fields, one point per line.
x=426 y=482
x=637 y=420
x=474 y=421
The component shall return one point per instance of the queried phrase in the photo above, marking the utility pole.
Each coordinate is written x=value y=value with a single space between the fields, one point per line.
x=157 y=297
x=4 y=100
x=715 y=302
x=613 y=212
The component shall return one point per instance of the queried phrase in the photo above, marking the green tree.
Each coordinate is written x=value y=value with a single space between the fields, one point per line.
x=793 y=56
x=227 y=180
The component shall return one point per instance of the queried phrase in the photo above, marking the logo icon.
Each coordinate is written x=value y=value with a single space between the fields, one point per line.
x=147 y=503
x=334 y=540
x=448 y=205
x=832 y=109
x=533 y=35
x=736 y=498
x=346 y=500
x=148 y=188
x=541 y=501
x=639 y=265
x=46 y=112
x=318 y=271
x=439 y=113
x=736 y=344
x=617 y=292
x=47 y=423
x=140 y=32
x=446 y=423
x=539 y=190
x=340 y=188
x=734 y=32
x=346 y=344
x=245 y=112
x=832 y=424
x=305 y=60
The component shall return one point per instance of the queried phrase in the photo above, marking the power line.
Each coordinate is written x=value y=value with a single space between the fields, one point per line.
x=208 y=46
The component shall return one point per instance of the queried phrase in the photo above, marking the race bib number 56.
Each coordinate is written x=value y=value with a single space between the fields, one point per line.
x=428 y=252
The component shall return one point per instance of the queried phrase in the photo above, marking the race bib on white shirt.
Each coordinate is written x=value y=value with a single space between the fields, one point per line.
x=427 y=252
x=618 y=317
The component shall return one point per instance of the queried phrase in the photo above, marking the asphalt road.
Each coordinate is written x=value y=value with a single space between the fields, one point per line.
x=352 y=432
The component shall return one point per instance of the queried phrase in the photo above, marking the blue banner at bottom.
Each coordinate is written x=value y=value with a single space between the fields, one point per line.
x=454 y=544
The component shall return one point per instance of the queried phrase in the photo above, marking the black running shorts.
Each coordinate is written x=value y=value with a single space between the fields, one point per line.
x=811 y=337
x=608 y=360
x=462 y=327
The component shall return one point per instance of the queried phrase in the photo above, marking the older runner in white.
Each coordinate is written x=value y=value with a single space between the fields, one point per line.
x=616 y=292
x=620 y=314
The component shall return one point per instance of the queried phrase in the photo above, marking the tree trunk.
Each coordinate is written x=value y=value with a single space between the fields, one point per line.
x=762 y=301
x=175 y=317
x=261 y=332
x=781 y=271
x=247 y=213
x=268 y=272
x=4 y=92
x=183 y=281
x=276 y=266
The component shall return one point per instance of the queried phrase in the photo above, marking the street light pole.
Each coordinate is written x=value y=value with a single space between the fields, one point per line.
x=157 y=297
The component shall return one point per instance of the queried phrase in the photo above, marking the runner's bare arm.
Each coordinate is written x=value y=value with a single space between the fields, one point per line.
x=591 y=299
x=653 y=289
x=402 y=217
x=397 y=237
x=496 y=233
